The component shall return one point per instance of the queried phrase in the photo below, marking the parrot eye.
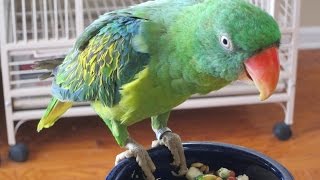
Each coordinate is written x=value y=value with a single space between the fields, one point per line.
x=225 y=42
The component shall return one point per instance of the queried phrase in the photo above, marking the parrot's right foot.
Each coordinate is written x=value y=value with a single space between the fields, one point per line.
x=173 y=142
x=142 y=158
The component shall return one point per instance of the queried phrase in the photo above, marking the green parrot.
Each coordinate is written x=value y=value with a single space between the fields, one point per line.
x=143 y=61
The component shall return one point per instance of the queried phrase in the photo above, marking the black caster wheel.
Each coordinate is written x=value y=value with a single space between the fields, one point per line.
x=282 y=131
x=19 y=152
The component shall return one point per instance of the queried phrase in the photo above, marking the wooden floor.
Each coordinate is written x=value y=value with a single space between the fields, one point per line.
x=82 y=148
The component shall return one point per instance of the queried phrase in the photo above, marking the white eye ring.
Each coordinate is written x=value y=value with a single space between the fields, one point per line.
x=225 y=42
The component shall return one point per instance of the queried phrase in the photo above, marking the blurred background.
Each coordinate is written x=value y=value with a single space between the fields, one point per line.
x=80 y=146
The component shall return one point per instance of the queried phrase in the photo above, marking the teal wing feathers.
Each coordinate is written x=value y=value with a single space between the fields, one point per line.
x=104 y=58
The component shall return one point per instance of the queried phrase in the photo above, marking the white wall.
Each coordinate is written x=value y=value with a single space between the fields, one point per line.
x=310 y=24
x=310 y=11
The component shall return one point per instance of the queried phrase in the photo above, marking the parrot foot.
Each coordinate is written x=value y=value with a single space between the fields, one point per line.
x=173 y=142
x=142 y=158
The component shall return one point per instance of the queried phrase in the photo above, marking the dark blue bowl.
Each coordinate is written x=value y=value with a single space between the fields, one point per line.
x=242 y=160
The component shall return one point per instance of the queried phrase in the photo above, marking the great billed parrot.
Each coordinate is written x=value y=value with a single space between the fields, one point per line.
x=143 y=61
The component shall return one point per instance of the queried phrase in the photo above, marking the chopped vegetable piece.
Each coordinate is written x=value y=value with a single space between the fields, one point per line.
x=224 y=173
x=232 y=174
x=193 y=173
x=197 y=165
x=243 y=177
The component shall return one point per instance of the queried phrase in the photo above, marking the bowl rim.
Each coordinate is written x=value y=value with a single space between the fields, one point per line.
x=201 y=145
x=264 y=158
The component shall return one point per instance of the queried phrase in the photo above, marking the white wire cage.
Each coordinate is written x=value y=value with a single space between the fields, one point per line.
x=41 y=29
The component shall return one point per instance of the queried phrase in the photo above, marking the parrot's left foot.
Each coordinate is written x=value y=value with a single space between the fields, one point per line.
x=173 y=142
x=142 y=158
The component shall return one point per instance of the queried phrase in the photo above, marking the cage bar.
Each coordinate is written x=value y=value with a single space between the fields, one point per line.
x=56 y=23
x=45 y=14
x=24 y=23
x=34 y=20
x=13 y=16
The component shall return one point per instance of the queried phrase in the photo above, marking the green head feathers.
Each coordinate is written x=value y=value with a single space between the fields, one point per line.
x=223 y=34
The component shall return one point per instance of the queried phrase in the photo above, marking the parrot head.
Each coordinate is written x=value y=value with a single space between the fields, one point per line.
x=242 y=44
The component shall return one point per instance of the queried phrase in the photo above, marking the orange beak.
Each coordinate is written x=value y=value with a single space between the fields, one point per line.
x=264 y=69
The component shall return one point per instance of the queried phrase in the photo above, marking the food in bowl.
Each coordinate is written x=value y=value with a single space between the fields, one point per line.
x=199 y=171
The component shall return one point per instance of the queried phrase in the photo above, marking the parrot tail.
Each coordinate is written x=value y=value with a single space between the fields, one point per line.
x=49 y=64
x=54 y=110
